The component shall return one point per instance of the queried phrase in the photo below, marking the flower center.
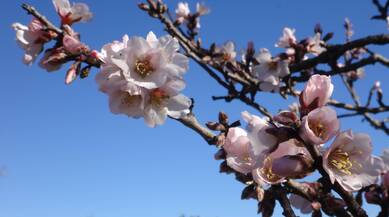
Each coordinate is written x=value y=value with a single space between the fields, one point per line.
x=143 y=68
x=226 y=57
x=341 y=161
x=158 y=97
x=267 y=171
x=317 y=128
x=129 y=99
x=272 y=65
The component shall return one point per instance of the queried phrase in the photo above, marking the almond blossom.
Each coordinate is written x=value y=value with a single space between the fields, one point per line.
x=316 y=46
x=72 y=13
x=274 y=170
x=31 y=38
x=270 y=70
x=240 y=156
x=288 y=39
x=73 y=45
x=319 y=126
x=349 y=161
x=149 y=86
x=166 y=101
x=227 y=51
x=182 y=11
x=262 y=141
x=317 y=92
x=150 y=62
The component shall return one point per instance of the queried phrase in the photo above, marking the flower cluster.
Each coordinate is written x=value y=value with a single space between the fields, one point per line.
x=69 y=14
x=192 y=20
x=144 y=77
x=33 y=37
x=274 y=150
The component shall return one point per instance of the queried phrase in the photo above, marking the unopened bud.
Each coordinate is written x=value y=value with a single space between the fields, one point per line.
x=223 y=118
x=144 y=6
x=287 y=118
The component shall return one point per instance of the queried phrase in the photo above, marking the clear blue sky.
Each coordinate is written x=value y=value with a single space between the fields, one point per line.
x=65 y=155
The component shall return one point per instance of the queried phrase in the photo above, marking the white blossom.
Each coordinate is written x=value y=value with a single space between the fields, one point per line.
x=31 y=38
x=288 y=39
x=72 y=13
x=269 y=70
x=143 y=78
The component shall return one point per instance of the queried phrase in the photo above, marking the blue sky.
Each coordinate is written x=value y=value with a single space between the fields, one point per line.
x=65 y=155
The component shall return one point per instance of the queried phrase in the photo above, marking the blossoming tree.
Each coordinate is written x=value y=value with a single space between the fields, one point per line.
x=273 y=153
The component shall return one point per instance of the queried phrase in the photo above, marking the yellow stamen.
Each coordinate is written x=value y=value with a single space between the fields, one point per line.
x=318 y=128
x=129 y=99
x=158 y=97
x=341 y=161
x=143 y=67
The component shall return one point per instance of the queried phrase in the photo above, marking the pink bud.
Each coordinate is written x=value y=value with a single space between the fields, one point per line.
x=72 y=44
x=70 y=75
x=316 y=93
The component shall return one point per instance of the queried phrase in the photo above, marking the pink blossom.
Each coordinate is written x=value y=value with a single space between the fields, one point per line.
x=240 y=155
x=288 y=39
x=227 y=51
x=262 y=142
x=317 y=92
x=53 y=59
x=165 y=101
x=31 y=38
x=150 y=62
x=73 y=44
x=349 y=161
x=319 y=126
x=270 y=70
x=72 y=13
x=266 y=172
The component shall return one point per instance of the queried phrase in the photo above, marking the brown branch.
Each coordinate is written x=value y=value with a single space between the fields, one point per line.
x=191 y=122
x=372 y=59
x=335 y=51
x=31 y=10
x=281 y=195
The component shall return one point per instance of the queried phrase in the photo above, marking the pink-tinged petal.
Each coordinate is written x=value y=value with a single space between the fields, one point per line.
x=182 y=10
x=30 y=38
x=80 y=12
x=317 y=92
x=287 y=39
x=178 y=106
x=350 y=163
x=72 y=44
x=71 y=75
x=319 y=126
